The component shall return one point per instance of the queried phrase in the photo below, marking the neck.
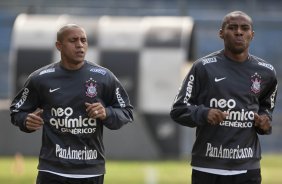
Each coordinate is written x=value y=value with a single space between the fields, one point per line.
x=237 y=57
x=71 y=65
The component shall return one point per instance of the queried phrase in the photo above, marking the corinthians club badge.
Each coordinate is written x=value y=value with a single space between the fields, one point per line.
x=256 y=83
x=91 y=88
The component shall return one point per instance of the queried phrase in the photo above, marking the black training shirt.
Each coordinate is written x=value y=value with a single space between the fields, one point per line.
x=72 y=143
x=240 y=89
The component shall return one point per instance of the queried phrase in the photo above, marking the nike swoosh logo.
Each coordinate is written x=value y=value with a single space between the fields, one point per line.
x=219 y=79
x=52 y=90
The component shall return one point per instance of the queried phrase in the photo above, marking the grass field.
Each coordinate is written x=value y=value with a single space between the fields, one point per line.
x=23 y=171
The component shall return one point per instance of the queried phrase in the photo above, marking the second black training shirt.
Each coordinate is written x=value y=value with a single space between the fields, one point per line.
x=240 y=89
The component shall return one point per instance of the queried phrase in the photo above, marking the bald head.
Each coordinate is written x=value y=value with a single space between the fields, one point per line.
x=235 y=14
x=62 y=30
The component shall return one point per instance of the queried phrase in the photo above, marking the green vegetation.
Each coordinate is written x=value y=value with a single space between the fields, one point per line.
x=271 y=169
x=19 y=170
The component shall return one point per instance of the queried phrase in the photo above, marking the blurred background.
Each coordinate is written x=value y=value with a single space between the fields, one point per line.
x=148 y=44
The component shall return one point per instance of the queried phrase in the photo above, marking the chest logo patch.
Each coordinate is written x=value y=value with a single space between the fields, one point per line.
x=256 y=83
x=91 y=88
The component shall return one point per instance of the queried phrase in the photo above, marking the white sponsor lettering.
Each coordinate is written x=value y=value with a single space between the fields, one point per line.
x=222 y=103
x=68 y=153
x=47 y=71
x=237 y=124
x=228 y=153
x=240 y=115
x=189 y=89
x=98 y=70
x=269 y=66
x=236 y=118
x=62 y=120
x=79 y=130
x=23 y=98
x=209 y=60
x=272 y=98
x=119 y=98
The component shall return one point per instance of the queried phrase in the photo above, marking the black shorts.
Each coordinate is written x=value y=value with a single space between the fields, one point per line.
x=250 y=177
x=49 y=178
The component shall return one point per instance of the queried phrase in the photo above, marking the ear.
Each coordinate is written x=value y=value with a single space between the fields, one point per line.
x=220 y=33
x=253 y=35
x=58 y=45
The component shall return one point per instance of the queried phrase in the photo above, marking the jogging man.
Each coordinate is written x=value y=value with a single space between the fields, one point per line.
x=72 y=100
x=229 y=96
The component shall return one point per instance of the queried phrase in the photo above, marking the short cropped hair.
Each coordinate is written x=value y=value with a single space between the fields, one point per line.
x=234 y=13
x=61 y=31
